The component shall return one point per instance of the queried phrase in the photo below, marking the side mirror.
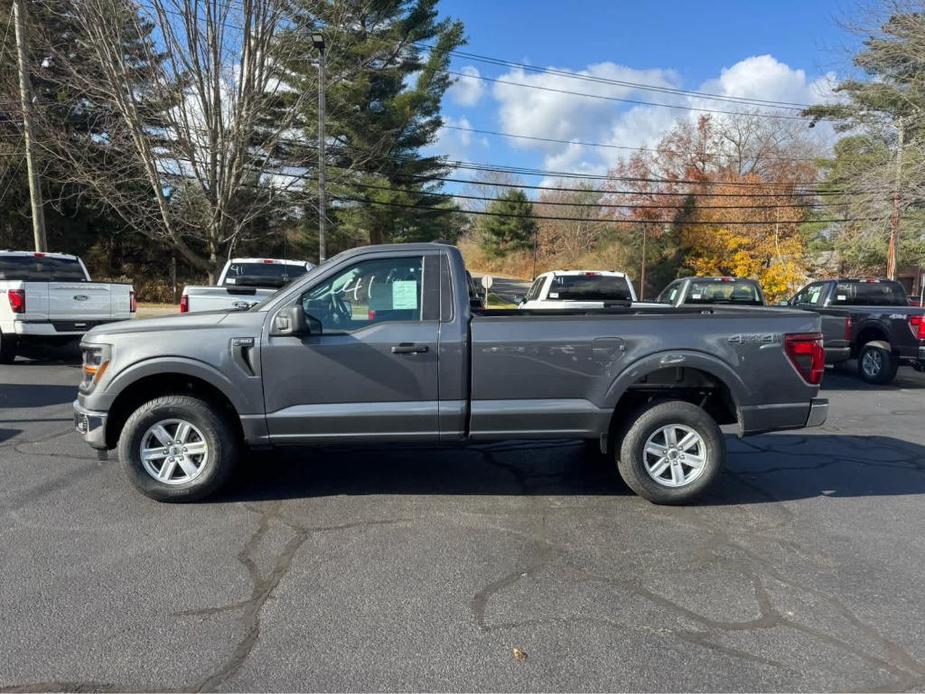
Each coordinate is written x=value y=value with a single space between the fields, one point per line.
x=517 y=299
x=290 y=322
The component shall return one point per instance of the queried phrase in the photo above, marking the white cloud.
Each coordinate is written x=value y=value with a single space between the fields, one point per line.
x=456 y=143
x=468 y=90
x=557 y=115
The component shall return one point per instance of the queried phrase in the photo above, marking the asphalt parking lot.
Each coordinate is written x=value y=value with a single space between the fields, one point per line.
x=423 y=568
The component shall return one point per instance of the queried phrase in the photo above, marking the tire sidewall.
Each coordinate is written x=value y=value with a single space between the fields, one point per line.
x=887 y=370
x=8 y=345
x=215 y=431
x=631 y=462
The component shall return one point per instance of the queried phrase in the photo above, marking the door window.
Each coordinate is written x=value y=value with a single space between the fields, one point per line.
x=810 y=294
x=670 y=293
x=368 y=292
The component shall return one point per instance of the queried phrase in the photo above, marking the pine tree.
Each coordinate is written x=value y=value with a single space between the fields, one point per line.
x=509 y=225
x=387 y=71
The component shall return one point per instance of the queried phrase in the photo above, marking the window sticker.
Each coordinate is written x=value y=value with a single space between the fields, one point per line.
x=404 y=294
x=842 y=297
x=553 y=295
x=230 y=280
x=696 y=296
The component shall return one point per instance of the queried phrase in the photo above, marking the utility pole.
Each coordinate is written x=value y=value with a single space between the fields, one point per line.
x=897 y=200
x=642 y=265
x=318 y=41
x=25 y=98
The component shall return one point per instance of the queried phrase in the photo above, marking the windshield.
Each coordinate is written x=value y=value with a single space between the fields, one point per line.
x=589 y=287
x=869 y=293
x=731 y=291
x=262 y=274
x=30 y=268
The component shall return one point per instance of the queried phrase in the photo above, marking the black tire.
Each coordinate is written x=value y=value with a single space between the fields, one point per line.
x=650 y=420
x=7 y=349
x=876 y=364
x=216 y=432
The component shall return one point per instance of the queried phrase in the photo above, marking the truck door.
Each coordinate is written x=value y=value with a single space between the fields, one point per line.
x=369 y=366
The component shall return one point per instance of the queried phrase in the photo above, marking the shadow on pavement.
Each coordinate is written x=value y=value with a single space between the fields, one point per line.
x=6 y=434
x=14 y=395
x=760 y=470
x=845 y=378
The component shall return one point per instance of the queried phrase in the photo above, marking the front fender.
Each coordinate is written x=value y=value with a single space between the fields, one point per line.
x=166 y=365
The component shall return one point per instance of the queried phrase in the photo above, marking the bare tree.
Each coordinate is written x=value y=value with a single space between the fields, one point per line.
x=196 y=97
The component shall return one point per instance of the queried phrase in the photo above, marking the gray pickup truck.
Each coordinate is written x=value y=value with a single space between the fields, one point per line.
x=382 y=344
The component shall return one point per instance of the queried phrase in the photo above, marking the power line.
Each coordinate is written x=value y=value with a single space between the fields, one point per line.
x=628 y=206
x=605 y=145
x=445 y=210
x=604 y=97
x=502 y=62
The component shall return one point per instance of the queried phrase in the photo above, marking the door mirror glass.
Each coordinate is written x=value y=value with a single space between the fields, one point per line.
x=290 y=322
x=518 y=299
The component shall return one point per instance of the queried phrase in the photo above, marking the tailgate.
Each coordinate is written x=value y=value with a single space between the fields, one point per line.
x=69 y=301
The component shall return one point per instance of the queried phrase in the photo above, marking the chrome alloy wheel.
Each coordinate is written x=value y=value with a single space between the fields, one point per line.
x=173 y=451
x=675 y=455
x=872 y=363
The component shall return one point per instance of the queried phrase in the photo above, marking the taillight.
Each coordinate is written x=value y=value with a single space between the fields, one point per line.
x=917 y=323
x=807 y=355
x=184 y=304
x=132 y=303
x=17 y=299
x=848 y=326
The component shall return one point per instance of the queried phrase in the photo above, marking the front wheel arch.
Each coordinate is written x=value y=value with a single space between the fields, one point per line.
x=148 y=388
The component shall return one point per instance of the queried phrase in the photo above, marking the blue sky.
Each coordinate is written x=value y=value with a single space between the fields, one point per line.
x=776 y=49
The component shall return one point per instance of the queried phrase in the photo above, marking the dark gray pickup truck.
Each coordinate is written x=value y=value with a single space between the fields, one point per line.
x=382 y=344
x=870 y=320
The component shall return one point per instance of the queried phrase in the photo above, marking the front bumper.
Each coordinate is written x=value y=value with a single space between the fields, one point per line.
x=91 y=426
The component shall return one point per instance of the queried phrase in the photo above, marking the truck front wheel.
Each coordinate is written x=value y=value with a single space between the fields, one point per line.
x=178 y=448
x=671 y=453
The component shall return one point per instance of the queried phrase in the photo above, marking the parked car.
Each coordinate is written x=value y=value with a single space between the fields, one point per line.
x=48 y=299
x=712 y=290
x=869 y=320
x=578 y=289
x=381 y=344
x=243 y=282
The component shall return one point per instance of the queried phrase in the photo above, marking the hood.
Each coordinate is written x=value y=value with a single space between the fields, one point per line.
x=181 y=321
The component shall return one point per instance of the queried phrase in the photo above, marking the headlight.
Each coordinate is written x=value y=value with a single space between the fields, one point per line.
x=95 y=362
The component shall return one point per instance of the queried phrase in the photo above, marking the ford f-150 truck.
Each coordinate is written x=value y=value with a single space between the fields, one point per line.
x=243 y=282
x=869 y=320
x=701 y=291
x=382 y=344
x=48 y=299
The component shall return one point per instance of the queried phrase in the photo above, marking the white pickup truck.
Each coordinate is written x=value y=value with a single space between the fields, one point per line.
x=48 y=298
x=577 y=289
x=243 y=282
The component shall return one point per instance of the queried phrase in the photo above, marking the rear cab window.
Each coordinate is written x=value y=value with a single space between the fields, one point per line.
x=869 y=293
x=265 y=274
x=589 y=287
x=724 y=291
x=37 y=268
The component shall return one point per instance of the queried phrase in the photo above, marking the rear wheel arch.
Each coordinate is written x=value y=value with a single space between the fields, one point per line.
x=718 y=393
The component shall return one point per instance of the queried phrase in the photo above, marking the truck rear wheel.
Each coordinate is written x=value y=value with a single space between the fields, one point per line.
x=877 y=364
x=671 y=453
x=7 y=348
x=178 y=448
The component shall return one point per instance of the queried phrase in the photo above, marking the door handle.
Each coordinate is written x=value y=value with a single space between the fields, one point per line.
x=409 y=348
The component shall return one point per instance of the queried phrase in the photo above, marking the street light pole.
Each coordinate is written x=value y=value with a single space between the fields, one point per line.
x=318 y=41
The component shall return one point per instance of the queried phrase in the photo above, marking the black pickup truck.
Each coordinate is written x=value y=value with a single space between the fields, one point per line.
x=870 y=320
